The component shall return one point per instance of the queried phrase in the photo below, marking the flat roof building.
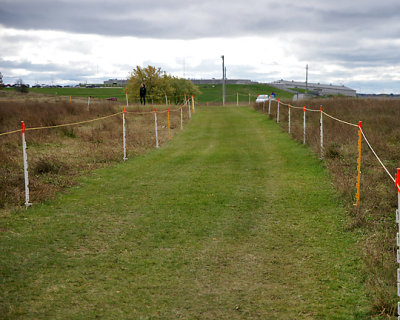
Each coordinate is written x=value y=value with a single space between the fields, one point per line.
x=315 y=88
x=116 y=82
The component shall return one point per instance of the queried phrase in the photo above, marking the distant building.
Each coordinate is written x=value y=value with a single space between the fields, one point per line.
x=315 y=88
x=219 y=81
x=116 y=82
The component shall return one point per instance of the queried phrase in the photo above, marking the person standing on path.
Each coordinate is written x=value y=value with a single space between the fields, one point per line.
x=143 y=94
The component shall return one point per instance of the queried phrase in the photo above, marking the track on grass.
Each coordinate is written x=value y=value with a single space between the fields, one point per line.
x=231 y=220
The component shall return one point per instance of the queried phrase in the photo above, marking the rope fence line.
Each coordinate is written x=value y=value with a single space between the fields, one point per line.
x=61 y=125
x=376 y=156
x=342 y=121
x=83 y=122
x=347 y=123
x=10 y=132
x=361 y=135
x=123 y=112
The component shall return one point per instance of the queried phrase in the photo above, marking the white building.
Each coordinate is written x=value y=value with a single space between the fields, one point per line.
x=315 y=88
x=116 y=82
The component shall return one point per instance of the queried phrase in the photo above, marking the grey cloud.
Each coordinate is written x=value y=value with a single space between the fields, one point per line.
x=195 y=19
x=355 y=35
x=43 y=72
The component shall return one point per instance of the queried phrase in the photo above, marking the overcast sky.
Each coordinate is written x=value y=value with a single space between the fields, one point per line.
x=350 y=42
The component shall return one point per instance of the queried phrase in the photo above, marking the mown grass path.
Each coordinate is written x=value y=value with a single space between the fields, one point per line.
x=231 y=220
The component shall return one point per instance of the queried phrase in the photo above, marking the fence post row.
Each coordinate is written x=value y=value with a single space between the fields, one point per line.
x=155 y=123
x=123 y=133
x=25 y=157
x=322 y=133
x=398 y=236
x=304 y=125
x=289 y=120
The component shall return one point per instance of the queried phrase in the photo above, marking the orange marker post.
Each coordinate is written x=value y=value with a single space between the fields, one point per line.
x=398 y=183
x=359 y=164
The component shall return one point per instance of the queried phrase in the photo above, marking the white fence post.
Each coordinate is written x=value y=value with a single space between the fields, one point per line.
x=166 y=100
x=188 y=104
x=88 y=103
x=269 y=106
x=193 y=103
x=289 y=120
x=398 y=236
x=277 y=113
x=304 y=125
x=155 y=123
x=123 y=133
x=181 y=118
x=25 y=156
x=322 y=134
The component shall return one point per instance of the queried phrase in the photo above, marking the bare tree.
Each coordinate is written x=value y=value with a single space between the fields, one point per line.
x=21 y=87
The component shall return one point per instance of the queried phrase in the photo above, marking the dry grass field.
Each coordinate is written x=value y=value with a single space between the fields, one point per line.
x=58 y=156
x=374 y=219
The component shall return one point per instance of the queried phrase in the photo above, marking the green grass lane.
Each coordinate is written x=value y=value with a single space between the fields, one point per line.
x=231 y=220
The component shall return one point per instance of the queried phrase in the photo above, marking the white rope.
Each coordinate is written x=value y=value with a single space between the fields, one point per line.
x=354 y=125
x=373 y=151
x=342 y=121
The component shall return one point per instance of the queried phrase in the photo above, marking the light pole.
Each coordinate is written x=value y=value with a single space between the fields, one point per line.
x=223 y=80
x=306 y=78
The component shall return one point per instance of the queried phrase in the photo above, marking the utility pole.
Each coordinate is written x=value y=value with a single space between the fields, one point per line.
x=306 y=78
x=223 y=80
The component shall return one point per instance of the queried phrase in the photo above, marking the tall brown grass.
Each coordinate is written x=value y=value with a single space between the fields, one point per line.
x=58 y=156
x=374 y=218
